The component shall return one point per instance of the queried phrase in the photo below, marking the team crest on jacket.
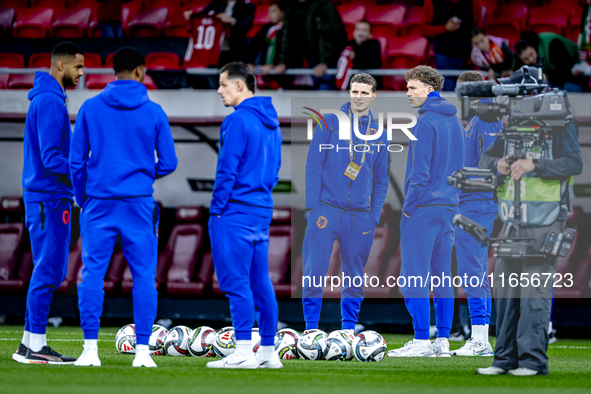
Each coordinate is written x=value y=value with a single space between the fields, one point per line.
x=322 y=222
x=371 y=131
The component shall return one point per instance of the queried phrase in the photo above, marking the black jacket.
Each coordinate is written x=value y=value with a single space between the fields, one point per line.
x=367 y=55
x=312 y=30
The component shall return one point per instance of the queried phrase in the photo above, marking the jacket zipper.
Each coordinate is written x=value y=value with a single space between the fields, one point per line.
x=351 y=181
x=42 y=211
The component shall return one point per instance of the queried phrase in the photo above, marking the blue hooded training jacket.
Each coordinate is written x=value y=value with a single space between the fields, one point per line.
x=435 y=155
x=113 y=145
x=478 y=138
x=46 y=175
x=325 y=169
x=249 y=159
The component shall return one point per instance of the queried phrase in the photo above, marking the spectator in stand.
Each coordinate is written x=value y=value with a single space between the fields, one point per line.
x=312 y=31
x=361 y=53
x=109 y=17
x=582 y=70
x=239 y=14
x=448 y=23
x=558 y=64
x=265 y=46
x=367 y=52
x=492 y=54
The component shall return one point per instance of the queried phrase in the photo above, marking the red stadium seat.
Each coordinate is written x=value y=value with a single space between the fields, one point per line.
x=127 y=11
x=40 y=60
x=11 y=242
x=386 y=19
x=194 y=287
x=99 y=81
x=574 y=27
x=548 y=19
x=69 y=285
x=404 y=52
x=182 y=251
x=4 y=78
x=12 y=60
x=109 y=60
x=490 y=5
x=383 y=48
x=71 y=23
x=177 y=25
x=162 y=60
x=33 y=22
x=196 y=5
x=11 y=248
x=21 y=81
x=149 y=83
x=92 y=60
x=261 y=18
x=413 y=18
x=148 y=22
x=7 y=18
x=508 y=21
x=55 y=4
x=115 y=272
x=351 y=14
x=12 y=209
x=16 y=4
x=95 y=7
x=281 y=236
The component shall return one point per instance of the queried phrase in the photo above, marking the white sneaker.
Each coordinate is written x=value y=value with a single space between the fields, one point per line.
x=491 y=371
x=524 y=372
x=441 y=347
x=474 y=348
x=88 y=358
x=413 y=349
x=456 y=337
x=143 y=359
x=552 y=336
x=235 y=361
x=272 y=362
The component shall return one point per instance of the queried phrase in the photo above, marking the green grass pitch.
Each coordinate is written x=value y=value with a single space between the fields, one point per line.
x=570 y=369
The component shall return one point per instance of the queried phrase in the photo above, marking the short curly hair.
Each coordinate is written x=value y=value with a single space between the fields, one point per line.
x=427 y=75
x=470 y=76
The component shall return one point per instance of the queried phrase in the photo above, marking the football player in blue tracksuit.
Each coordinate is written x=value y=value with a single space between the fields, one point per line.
x=48 y=197
x=472 y=258
x=113 y=169
x=345 y=193
x=240 y=215
x=426 y=228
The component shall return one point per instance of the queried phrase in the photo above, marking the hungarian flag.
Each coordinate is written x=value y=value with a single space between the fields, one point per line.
x=344 y=68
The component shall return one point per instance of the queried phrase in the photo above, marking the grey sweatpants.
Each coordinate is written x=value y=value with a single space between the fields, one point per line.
x=523 y=313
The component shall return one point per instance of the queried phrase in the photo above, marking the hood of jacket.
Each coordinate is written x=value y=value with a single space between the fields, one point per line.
x=46 y=83
x=125 y=94
x=438 y=104
x=262 y=108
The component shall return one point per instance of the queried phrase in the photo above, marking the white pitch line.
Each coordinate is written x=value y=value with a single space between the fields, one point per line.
x=569 y=347
x=56 y=340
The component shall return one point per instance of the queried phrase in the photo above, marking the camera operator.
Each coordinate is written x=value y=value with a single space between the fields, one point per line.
x=523 y=313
